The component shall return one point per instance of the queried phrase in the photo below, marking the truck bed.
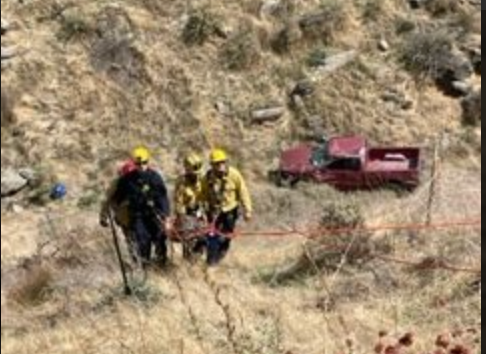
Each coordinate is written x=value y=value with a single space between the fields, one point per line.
x=393 y=159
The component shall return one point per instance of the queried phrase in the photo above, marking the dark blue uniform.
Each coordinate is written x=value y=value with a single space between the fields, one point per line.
x=149 y=206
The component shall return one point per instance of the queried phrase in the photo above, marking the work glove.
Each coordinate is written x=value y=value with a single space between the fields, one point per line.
x=248 y=216
x=168 y=225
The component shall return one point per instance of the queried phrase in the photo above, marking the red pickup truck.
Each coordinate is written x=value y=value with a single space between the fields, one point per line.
x=349 y=163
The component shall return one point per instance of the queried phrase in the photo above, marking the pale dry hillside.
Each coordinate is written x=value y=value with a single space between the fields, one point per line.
x=94 y=78
x=67 y=298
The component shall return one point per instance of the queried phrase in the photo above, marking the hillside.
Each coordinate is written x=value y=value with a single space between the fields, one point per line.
x=89 y=80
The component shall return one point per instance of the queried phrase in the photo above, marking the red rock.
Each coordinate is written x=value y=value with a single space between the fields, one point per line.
x=383 y=334
x=379 y=348
x=460 y=349
x=393 y=350
x=443 y=341
x=407 y=340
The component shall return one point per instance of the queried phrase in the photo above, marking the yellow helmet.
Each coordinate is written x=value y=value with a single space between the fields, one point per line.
x=141 y=155
x=218 y=156
x=193 y=163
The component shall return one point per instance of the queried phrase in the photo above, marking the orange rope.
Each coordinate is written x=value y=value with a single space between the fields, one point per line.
x=319 y=232
x=322 y=231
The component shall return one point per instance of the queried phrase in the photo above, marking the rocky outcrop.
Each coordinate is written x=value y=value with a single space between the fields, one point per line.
x=14 y=181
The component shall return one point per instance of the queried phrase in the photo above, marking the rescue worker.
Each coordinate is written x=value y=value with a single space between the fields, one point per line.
x=188 y=192
x=148 y=207
x=120 y=212
x=226 y=195
x=188 y=203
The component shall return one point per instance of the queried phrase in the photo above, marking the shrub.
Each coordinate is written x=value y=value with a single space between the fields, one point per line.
x=317 y=57
x=200 y=26
x=74 y=27
x=34 y=289
x=442 y=7
x=286 y=39
x=113 y=51
x=90 y=200
x=346 y=215
x=466 y=22
x=241 y=51
x=427 y=53
x=327 y=23
x=373 y=10
x=404 y=26
x=338 y=243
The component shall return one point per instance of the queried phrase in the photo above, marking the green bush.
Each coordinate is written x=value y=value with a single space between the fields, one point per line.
x=200 y=26
x=241 y=51
x=286 y=39
x=442 y=7
x=74 y=27
x=317 y=57
x=325 y=25
x=373 y=10
x=427 y=53
x=404 y=26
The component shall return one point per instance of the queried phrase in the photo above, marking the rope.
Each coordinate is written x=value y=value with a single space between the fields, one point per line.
x=323 y=231
x=319 y=232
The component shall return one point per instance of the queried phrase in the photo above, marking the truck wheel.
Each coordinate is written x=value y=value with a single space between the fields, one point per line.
x=400 y=189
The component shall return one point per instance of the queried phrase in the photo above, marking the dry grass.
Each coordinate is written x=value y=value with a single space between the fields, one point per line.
x=242 y=51
x=33 y=289
x=327 y=23
x=7 y=109
x=201 y=26
x=231 y=310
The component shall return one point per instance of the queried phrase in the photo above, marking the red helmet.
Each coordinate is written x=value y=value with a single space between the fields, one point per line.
x=127 y=168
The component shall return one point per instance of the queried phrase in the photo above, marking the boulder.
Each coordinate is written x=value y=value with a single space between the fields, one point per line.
x=383 y=45
x=223 y=108
x=29 y=174
x=5 y=26
x=303 y=89
x=270 y=8
x=12 y=182
x=462 y=87
x=336 y=62
x=271 y=114
x=460 y=67
x=455 y=69
x=7 y=53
